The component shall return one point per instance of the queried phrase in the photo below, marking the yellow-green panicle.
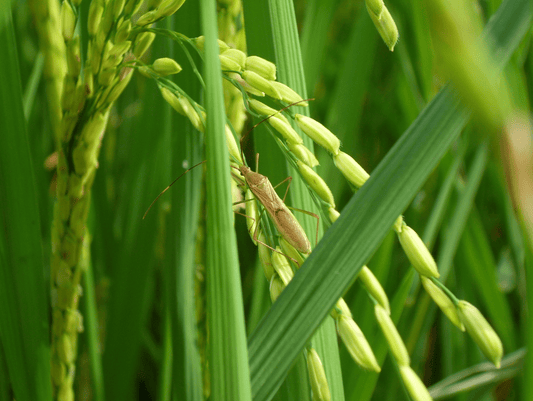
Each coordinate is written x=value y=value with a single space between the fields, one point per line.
x=481 y=332
x=285 y=129
x=276 y=287
x=341 y=309
x=316 y=183
x=386 y=27
x=287 y=94
x=166 y=66
x=303 y=153
x=356 y=343
x=396 y=344
x=417 y=252
x=374 y=288
x=262 y=67
x=265 y=257
x=443 y=301
x=261 y=84
x=350 y=169
x=318 y=133
x=414 y=385
x=282 y=266
x=317 y=377
x=252 y=214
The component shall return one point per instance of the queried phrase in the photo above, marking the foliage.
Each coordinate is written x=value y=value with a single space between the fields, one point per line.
x=176 y=305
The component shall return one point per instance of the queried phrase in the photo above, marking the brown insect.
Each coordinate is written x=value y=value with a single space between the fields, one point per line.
x=285 y=222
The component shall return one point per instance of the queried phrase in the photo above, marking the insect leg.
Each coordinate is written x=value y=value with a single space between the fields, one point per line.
x=289 y=178
x=255 y=237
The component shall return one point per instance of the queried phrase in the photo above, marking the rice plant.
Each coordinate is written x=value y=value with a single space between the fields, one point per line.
x=351 y=217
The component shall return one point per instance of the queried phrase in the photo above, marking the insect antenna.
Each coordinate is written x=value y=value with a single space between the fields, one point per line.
x=167 y=188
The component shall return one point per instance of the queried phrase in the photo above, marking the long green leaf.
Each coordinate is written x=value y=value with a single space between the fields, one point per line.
x=5 y=387
x=131 y=267
x=350 y=242
x=182 y=227
x=290 y=68
x=24 y=329
x=228 y=355
x=318 y=17
x=260 y=42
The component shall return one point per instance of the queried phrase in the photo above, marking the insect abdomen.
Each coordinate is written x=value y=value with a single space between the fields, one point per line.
x=291 y=230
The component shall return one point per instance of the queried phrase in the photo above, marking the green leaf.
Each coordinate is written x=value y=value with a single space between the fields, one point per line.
x=24 y=329
x=318 y=18
x=130 y=267
x=182 y=225
x=478 y=376
x=350 y=242
x=291 y=73
x=228 y=355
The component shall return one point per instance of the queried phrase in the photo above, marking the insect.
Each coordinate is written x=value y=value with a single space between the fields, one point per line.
x=285 y=222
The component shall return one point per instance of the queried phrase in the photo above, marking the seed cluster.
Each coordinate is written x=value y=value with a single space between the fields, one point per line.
x=80 y=102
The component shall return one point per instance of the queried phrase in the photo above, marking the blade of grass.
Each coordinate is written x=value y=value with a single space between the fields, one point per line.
x=260 y=42
x=478 y=375
x=165 y=376
x=518 y=245
x=318 y=18
x=24 y=330
x=344 y=114
x=409 y=74
x=290 y=68
x=260 y=298
x=452 y=342
x=170 y=309
x=424 y=59
x=33 y=85
x=445 y=191
x=130 y=268
x=228 y=356
x=5 y=387
x=182 y=227
x=351 y=240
